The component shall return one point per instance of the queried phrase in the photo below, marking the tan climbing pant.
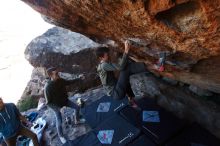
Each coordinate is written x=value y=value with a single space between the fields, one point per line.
x=25 y=132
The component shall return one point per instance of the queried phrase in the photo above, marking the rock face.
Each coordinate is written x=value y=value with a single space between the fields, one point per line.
x=36 y=83
x=58 y=47
x=187 y=30
x=59 y=44
x=178 y=100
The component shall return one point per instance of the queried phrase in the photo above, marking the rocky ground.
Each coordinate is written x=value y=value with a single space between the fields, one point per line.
x=71 y=131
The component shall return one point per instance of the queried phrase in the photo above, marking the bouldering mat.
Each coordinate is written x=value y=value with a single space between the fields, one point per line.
x=102 y=109
x=88 y=139
x=123 y=134
x=142 y=141
x=157 y=123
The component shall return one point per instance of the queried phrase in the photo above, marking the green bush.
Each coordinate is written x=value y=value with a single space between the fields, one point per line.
x=27 y=103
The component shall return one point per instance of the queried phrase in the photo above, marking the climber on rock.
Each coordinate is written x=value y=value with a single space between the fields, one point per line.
x=10 y=124
x=118 y=88
x=56 y=97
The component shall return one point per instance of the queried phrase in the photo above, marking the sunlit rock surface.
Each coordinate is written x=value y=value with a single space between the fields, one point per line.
x=71 y=52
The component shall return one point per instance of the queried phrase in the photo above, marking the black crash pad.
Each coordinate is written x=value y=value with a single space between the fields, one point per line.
x=159 y=132
x=94 y=118
x=135 y=116
x=88 y=139
x=122 y=130
x=132 y=116
x=142 y=141
x=195 y=135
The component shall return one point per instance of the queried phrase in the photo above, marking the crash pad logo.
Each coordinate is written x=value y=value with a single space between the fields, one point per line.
x=104 y=107
x=130 y=135
x=119 y=107
x=105 y=136
x=151 y=116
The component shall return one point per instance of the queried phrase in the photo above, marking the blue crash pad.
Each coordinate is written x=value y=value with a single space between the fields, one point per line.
x=124 y=132
x=142 y=141
x=88 y=139
x=93 y=112
x=160 y=125
x=121 y=133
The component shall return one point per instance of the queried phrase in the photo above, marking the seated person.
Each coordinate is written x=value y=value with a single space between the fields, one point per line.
x=10 y=124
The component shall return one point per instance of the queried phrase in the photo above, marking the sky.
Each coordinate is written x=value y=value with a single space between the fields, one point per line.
x=19 y=24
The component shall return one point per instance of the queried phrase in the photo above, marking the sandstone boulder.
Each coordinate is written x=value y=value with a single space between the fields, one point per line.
x=188 y=30
x=71 y=52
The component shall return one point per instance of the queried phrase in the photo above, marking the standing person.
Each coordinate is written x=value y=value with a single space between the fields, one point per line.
x=117 y=88
x=10 y=124
x=56 y=97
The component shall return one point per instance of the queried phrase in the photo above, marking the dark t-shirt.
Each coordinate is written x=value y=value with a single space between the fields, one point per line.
x=55 y=92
